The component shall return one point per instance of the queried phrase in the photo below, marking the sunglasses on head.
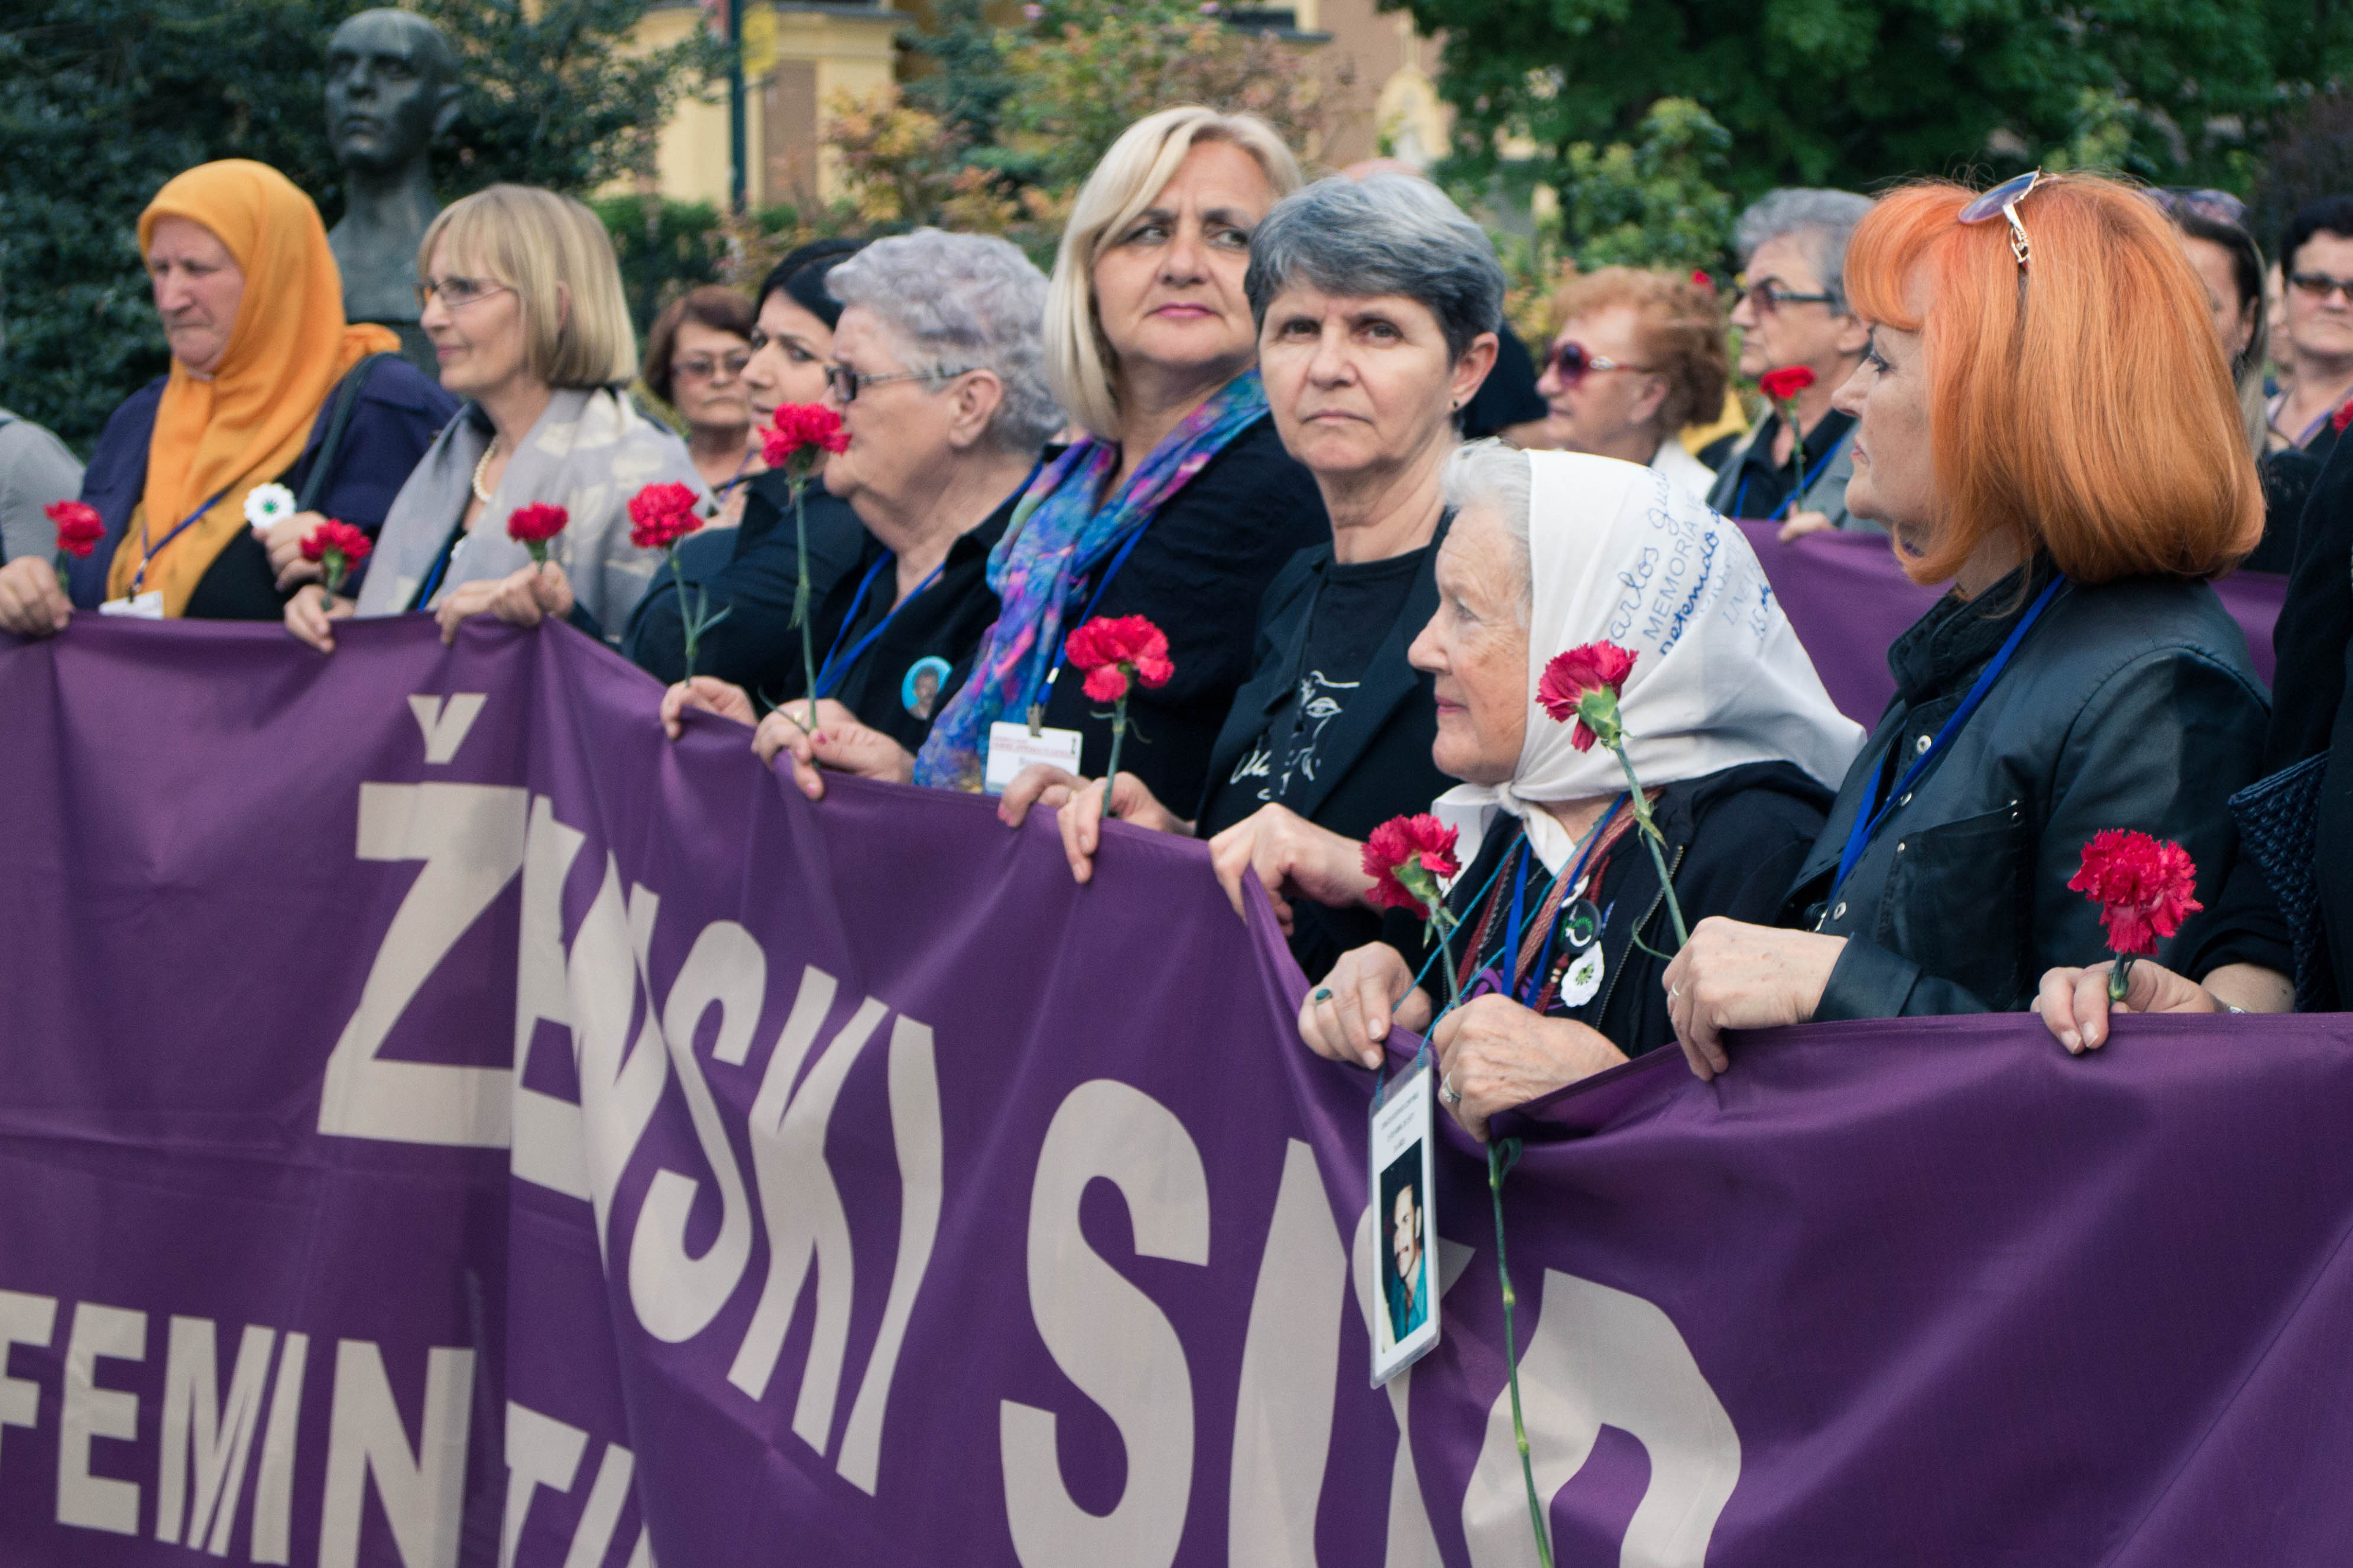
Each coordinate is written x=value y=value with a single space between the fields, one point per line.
x=2220 y=206
x=2002 y=202
x=1572 y=362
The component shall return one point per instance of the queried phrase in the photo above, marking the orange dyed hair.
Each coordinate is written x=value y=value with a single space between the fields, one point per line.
x=2090 y=412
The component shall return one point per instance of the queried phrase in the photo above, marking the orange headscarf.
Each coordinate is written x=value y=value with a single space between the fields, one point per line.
x=246 y=425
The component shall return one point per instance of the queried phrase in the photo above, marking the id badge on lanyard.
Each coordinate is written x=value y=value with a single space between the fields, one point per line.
x=146 y=606
x=1404 y=1183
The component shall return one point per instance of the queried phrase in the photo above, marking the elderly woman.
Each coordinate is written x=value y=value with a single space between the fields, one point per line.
x=1639 y=356
x=251 y=401
x=695 y=358
x=1180 y=504
x=2077 y=483
x=522 y=300
x=753 y=574
x=1377 y=302
x=1792 y=315
x=939 y=375
x=1560 y=906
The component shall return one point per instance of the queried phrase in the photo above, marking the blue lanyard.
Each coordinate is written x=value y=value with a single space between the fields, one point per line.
x=1867 y=820
x=1551 y=929
x=1061 y=653
x=828 y=677
x=1804 y=483
x=146 y=554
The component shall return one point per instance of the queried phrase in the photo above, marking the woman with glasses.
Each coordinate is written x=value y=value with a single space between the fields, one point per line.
x=939 y=375
x=2317 y=259
x=268 y=387
x=2045 y=421
x=695 y=358
x=523 y=300
x=1639 y=356
x=1792 y=313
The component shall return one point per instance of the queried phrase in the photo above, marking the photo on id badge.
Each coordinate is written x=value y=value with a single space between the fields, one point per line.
x=1405 y=1312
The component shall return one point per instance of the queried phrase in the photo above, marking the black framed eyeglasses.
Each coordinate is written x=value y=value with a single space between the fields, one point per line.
x=1572 y=362
x=2002 y=202
x=2320 y=285
x=1768 y=295
x=844 y=384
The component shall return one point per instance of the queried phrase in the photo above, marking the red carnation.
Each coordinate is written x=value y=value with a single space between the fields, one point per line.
x=1110 y=651
x=1700 y=279
x=1404 y=856
x=2143 y=887
x=80 y=528
x=2342 y=418
x=537 y=523
x=801 y=428
x=1581 y=687
x=338 y=547
x=662 y=515
x=1785 y=384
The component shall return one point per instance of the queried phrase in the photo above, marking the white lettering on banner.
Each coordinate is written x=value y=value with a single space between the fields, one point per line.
x=273 y=1489
x=620 y=1084
x=96 y=1502
x=1109 y=1338
x=202 y=1432
x=540 y=1452
x=1410 y=1540
x=470 y=837
x=915 y=1131
x=1602 y=1357
x=445 y=723
x=23 y=1320
x=423 y=1490
x=675 y=1295
x=547 y=1143
x=1291 y=1364
x=601 y=1515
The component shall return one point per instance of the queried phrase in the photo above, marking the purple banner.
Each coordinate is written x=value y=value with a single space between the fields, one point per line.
x=443 y=1122
x=1848 y=601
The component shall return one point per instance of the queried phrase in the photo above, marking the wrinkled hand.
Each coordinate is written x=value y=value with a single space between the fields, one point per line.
x=1346 y=1018
x=33 y=603
x=840 y=745
x=311 y=615
x=1496 y=1054
x=1290 y=858
x=284 y=539
x=1803 y=524
x=2074 y=1001
x=708 y=694
x=1731 y=975
x=523 y=597
x=1079 y=813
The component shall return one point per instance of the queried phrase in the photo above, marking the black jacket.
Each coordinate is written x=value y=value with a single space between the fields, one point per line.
x=2130 y=705
x=1198 y=573
x=1373 y=763
x=1732 y=839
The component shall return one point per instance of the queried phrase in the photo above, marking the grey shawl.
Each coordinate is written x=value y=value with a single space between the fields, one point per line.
x=589 y=453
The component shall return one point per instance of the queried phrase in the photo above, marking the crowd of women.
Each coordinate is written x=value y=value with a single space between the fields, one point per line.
x=1257 y=411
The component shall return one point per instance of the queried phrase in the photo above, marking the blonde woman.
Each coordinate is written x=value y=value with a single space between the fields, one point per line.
x=1179 y=502
x=523 y=300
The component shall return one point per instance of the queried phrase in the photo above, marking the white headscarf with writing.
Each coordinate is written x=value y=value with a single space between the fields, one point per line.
x=1619 y=554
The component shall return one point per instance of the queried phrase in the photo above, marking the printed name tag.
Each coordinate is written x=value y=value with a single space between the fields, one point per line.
x=147 y=607
x=1011 y=748
x=1404 y=1183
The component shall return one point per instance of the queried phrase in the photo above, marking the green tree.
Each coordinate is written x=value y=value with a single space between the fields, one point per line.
x=1855 y=92
x=1654 y=201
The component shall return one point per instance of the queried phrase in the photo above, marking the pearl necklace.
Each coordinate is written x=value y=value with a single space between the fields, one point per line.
x=482 y=492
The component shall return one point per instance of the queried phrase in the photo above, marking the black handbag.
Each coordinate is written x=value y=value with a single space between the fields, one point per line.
x=2277 y=819
x=331 y=446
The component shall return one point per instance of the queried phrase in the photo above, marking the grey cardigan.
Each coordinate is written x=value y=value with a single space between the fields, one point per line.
x=35 y=471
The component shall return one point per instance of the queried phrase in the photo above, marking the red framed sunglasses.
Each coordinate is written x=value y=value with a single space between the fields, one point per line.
x=1572 y=362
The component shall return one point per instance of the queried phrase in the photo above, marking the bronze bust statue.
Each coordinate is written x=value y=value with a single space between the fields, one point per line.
x=392 y=87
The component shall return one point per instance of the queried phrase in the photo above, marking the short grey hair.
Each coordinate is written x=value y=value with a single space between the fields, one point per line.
x=958 y=303
x=1826 y=219
x=1390 y=234
x=1491 y=474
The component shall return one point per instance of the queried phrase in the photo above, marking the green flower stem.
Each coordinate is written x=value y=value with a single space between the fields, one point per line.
x=1652 y=838
x=801 y=594
x=691 y=632
x=1797 y=451
x=2120 y=977
x=1118 y=735
x=1500 y=1161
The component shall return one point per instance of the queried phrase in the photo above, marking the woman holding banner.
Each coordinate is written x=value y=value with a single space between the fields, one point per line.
x=2046 y=421
x=270 y=392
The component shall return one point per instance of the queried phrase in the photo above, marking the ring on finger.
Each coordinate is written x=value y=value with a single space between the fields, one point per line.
x=1674 y=993
x=1448 y=1092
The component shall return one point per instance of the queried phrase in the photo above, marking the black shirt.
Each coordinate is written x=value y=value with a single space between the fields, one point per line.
x=896 y=669
x=1356 y=607
x=1762 y=487
x=1199 y=573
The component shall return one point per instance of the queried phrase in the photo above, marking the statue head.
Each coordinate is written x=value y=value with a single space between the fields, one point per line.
x=392 y=87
